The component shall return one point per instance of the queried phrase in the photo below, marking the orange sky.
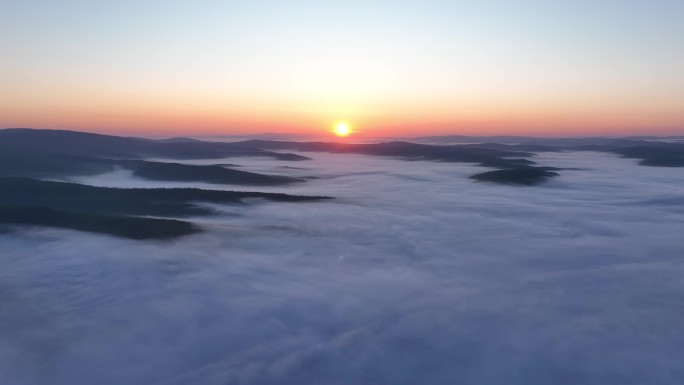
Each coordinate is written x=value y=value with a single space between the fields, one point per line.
x=388 y=68
x=151 y=116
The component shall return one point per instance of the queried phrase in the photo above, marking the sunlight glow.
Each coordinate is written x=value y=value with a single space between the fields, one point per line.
x=342 y=129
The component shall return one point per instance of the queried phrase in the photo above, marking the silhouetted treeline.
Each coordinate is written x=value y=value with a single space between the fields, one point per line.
x=526 y=176
x=88 y=144
x=59 y=166
x=209 y=174
x=118 y=225
x=115 y=211
x=139 y=201
x=409 y=151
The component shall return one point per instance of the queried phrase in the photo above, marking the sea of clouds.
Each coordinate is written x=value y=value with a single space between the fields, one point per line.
x=413 y=275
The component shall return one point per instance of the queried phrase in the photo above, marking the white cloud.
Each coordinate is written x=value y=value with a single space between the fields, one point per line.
x=415 y=274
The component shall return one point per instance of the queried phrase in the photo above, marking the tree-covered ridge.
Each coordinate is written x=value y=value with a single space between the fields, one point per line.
x=117 y=225
x=115 y=211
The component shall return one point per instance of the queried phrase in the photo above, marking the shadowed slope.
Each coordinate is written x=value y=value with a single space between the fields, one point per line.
x=14 y=164
x=210 y=174
x=671 y=155
x=409 y=151
x=651 y=151
x=524 y=176
x=87 y=144
x=114 y=211
x=137 y=201
x=117 y=225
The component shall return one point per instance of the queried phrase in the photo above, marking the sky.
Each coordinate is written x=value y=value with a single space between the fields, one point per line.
x=388 y=68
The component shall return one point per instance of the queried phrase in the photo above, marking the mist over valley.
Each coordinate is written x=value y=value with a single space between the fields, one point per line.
x=386 y=263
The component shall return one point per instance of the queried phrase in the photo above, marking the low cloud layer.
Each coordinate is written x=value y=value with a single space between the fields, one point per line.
x=414 y=275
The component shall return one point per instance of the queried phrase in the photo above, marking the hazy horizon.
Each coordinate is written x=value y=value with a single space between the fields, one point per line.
x=331 y=137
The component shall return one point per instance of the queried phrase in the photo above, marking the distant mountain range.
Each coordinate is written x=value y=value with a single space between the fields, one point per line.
x=509 y=139
x=89 y=144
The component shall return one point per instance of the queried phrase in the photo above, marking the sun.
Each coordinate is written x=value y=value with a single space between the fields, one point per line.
x=342 y=129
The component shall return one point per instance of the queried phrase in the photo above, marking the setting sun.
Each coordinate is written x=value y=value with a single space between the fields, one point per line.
x=342 y=129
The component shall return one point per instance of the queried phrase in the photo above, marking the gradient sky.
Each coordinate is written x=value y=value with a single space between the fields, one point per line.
x=388 y=67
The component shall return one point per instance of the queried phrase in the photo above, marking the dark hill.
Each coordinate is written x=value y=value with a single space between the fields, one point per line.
x=157 y=201
x=525 y=176
x=74 y=143
x=671 y=155
x=117 y=225
x=70 y=142
x=178 y=139
x=406 y=150
x=39 y=165
x=112 y=210
x=209 y=174
x=651 y=151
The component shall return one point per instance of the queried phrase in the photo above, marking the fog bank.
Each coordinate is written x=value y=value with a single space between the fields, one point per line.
x=413 y=275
